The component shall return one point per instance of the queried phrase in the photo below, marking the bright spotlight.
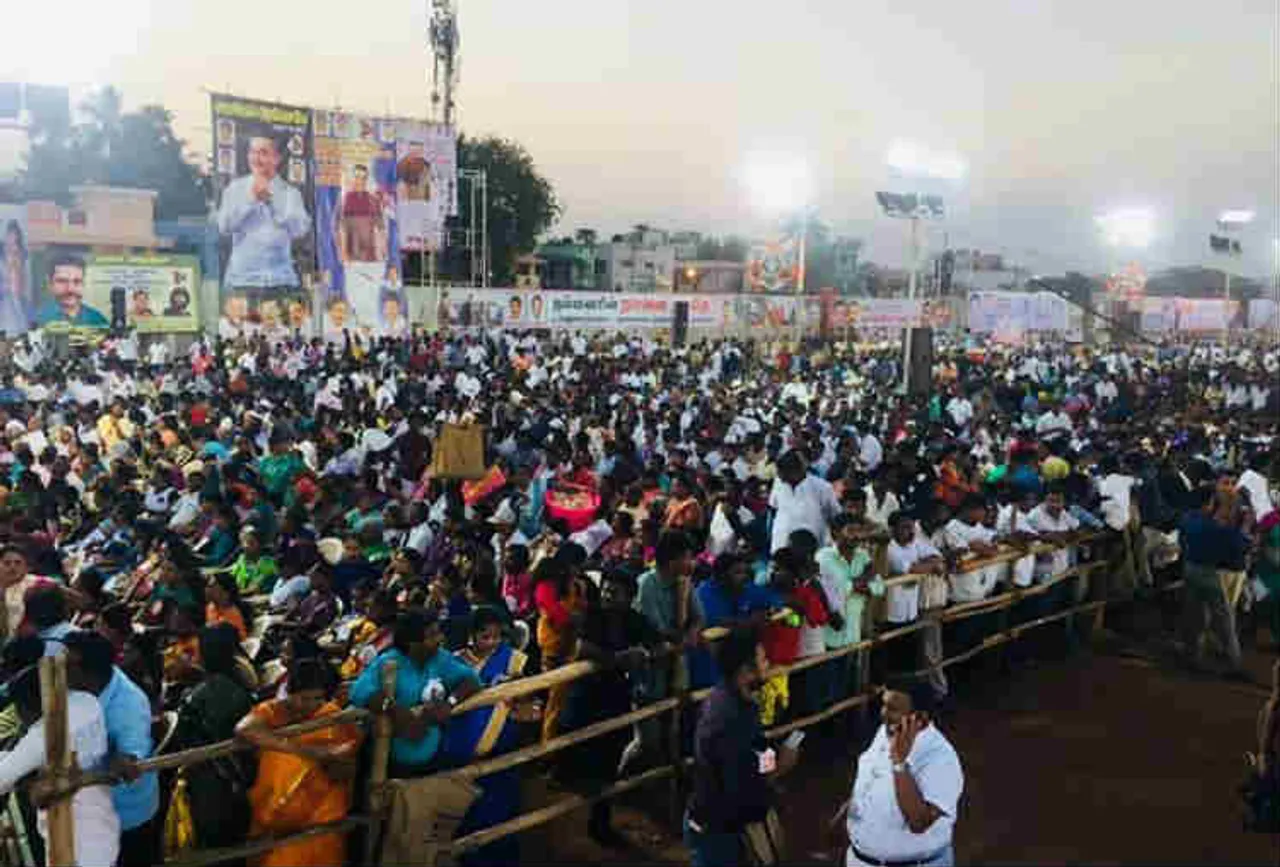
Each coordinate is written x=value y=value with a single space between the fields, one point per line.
x=1236 y=218
x=777 y=183
x=1130 y=227
x=915 y=160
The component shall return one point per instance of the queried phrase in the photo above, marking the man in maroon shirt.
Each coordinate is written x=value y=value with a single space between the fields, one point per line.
x=360 y=220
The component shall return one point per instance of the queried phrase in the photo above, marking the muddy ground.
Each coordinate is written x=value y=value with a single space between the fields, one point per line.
x=1105 y=756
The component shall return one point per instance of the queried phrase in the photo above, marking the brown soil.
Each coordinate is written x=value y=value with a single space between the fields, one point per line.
x=1105 y=758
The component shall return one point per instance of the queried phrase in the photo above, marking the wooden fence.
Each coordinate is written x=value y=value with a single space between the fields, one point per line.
x=61 y=781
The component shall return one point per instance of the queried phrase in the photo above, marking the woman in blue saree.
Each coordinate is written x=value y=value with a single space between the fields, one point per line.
x=486 y=732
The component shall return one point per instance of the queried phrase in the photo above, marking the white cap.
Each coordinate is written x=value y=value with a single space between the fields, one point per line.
x=330 y=550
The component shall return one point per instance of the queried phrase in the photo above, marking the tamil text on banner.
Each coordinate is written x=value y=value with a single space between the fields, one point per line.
x=645 y=311
x=160 y=292
x=774 y=267
x=357 y=242
x=886 y=313
x=570 y=310
x=263 y=185
x=17 y=293
x=1204 y=314
x=426 y=183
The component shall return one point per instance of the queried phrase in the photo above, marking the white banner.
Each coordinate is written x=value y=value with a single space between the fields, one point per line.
x=426 y=182
x=1006 y=315
x=1264 y=313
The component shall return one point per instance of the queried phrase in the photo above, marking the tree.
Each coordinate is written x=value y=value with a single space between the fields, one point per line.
x=586 y=237
x=124 y=149
x=522 y=205
x=728 y=249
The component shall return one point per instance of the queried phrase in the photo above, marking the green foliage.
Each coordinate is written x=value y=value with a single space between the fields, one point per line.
x=110 y=146
x=522 y=203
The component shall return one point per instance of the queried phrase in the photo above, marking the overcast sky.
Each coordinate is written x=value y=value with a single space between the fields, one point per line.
x=645 y=111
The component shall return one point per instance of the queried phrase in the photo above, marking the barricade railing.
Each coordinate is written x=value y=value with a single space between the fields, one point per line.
x=60 y=781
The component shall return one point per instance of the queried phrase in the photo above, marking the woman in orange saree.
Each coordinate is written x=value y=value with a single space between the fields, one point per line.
x=303 y=780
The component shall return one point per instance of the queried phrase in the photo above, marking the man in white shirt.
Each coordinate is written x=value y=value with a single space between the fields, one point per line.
x=960 y=410
x=967 y=536
x=907 y=788
x=1051 y=521
x=909 y=553
x=97 y=827
x=882 y=502
x=800 y=502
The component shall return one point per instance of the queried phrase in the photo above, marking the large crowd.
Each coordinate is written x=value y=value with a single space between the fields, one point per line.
x=245 y=535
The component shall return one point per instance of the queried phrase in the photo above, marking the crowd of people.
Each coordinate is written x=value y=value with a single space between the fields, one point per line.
x=244 y=535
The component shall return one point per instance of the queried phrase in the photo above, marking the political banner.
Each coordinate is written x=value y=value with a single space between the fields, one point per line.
x=1008 y=314
x=1204 y=314
x=1158 y=315
x=160 y=291
x=358 y=284
x=426 y=183
x=17 y=293
x=572 y=310
x=645 y=311
x=264 y=191
x=884 y=313
x=774 y=267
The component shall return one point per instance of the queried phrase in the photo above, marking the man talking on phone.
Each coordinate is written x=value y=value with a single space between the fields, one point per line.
x=907 y=788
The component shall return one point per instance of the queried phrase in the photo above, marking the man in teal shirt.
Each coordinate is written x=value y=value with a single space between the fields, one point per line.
x=66 y=296
x=429 y=682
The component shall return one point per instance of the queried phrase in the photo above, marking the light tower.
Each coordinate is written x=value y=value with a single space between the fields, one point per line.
x=442 y=32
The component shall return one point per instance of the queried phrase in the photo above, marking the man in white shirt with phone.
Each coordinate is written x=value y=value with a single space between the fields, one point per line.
x=907 y=789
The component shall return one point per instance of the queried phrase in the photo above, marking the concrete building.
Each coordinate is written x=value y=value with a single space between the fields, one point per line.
x=708 y=275
x=643 y=260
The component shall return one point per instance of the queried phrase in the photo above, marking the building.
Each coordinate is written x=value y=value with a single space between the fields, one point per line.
x=571 y=264
x=102 y=218
x=708 y=275
x=643 y=260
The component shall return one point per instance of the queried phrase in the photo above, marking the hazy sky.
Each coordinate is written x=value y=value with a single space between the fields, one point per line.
x=645 y=111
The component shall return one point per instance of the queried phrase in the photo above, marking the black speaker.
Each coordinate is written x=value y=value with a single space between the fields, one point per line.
x=118 y=316
x=680 y=324
x=920 y=361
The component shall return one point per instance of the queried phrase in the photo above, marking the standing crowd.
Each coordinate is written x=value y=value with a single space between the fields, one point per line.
x=245 y=536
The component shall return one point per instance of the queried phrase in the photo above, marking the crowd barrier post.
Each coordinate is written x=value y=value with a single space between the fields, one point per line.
x=60 y=840
x=377 y=798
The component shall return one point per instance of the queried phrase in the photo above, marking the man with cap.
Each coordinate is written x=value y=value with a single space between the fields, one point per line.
x=908 y=786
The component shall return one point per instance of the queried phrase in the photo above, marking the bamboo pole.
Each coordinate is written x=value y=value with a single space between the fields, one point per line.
x=376 y=793
x=265 y=844
x=561 y=807
x=59 y=760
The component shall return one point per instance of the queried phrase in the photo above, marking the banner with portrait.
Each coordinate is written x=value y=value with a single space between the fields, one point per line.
x=1204 y=314
x=17 y=292
x=265 y=195
x=160 y=292
x=571 y=310
x=774 y=267
x=358 y=286
x=426 y=183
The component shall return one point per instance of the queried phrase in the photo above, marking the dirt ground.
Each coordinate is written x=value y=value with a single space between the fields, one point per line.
x=1107 y=757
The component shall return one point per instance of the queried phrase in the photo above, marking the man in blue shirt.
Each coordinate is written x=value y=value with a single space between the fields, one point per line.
x=127 y=712
x=264 y=215
x=429 y=682
x=66 y=295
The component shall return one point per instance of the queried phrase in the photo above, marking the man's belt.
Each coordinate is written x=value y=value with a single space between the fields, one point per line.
x=895 y=862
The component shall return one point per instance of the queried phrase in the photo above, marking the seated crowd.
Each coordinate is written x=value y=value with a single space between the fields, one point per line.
x=247 y=537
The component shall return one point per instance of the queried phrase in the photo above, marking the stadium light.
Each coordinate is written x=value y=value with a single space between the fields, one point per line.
x=778 y=183
x=1236 y=218
x=915 y=160
x=1128 y=227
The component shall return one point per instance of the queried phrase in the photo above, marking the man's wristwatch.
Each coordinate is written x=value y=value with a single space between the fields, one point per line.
x=899 y=767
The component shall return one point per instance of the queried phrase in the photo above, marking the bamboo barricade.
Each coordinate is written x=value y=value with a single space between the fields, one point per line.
x=62 y=783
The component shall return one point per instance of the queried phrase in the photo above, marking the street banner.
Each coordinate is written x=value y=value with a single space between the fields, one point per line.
x=774 y=267
x=1158 y=315
x=426 y=183
x=17 y=292
x=263 y=187
x=358 y=284
x=1204 y=314
x=1008 y=314
x=160 y=291
x=572 y=310
x=645 y=311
